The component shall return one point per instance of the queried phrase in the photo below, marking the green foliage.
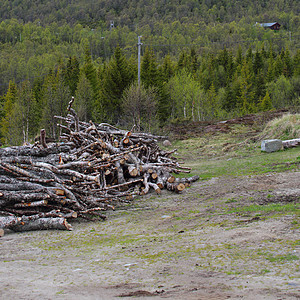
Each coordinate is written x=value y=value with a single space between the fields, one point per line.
x=281 y=92
x=118 y=76
x=71 y=73
x=84 y=95
x=140 y=107
x=55 y=100
x=25 y=115
x=149 y=70
x=7 y=121
x=197 y=63
x=266 y=103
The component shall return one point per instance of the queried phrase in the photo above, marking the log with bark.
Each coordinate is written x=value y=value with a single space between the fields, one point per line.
x=91 y=169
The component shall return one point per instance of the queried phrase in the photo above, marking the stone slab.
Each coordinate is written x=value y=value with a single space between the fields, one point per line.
x=271 y=145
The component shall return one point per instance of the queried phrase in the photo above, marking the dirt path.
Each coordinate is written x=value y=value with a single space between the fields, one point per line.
x=197 y=245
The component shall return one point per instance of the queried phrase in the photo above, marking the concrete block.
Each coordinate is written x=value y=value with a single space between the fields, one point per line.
x=271 y=145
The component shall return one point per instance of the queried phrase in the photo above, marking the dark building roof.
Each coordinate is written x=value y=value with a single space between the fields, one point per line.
x=274 y=25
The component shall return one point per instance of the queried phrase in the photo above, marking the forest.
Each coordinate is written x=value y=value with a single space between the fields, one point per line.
x=201 y=61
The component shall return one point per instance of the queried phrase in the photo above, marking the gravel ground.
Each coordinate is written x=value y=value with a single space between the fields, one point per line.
x=199 y=244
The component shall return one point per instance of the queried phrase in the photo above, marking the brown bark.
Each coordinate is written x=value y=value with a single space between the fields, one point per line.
x=43 y=138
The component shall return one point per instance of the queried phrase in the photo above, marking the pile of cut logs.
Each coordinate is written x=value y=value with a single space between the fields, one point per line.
x=93 y=167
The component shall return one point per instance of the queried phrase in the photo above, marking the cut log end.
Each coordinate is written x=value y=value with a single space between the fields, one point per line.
x=1 y=232
x=180 y=187
x=171 y=179
x=68 y=225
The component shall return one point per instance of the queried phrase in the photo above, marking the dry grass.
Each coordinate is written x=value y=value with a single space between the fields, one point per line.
x=284 y=128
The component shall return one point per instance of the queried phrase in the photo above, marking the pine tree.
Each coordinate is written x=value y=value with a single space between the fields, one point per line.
x=83 y=98
x=7 y=122
x=249 y=56
x=193 y=61
x=296 y=64
x=266 y=103
x=212 y=104
x=149 y=69
x=246 y=98
x=287 y=64
x=229 y=101
x=90 y=72
x=239 y=56
x=271 y=70
x=258 y=62
x=71 y=74
x=259 y=86
x=167 y=69
x=278 y=66
x=56 y=97
x=117 y=78
x=182 y=61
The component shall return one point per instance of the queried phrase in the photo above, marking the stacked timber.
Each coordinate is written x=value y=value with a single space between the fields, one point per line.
x=93 y=167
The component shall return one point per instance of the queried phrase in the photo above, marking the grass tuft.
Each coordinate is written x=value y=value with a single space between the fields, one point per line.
x=285 y=128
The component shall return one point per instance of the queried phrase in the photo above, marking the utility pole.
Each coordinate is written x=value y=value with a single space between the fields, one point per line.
x=112 y=25
x=139 y=59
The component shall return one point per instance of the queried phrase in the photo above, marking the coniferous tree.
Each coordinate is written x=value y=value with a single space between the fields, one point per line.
x=149 y=69
x=7 y=119
x=245 y=101
x=56 y=97
x=90 y=72
x=182 y=61
x=271 y=70
x=257 y=62
x=212 y=103
x=266 y=103
x=296 y=64
x=239 y=56
x=83 y=99
x=229 y=103
x=287 y=64
x=193 y=61
x=118 y=77
x=278 y=65
x=167 y=69
x=259 y=86
x=71 y=73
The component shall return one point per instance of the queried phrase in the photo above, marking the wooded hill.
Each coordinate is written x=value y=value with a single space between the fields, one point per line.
x=141 y=12
x=201 y=60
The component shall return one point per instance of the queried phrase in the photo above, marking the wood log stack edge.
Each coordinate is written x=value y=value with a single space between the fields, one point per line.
x=93 y=167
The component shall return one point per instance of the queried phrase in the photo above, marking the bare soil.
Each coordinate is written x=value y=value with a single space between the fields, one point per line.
x=199 y=244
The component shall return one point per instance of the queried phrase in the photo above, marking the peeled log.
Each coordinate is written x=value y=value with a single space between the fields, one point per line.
x=29 y=223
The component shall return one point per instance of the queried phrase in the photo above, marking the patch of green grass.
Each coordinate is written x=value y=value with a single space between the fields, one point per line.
x=208 y=156
x=264 y=271
x=231 y=200
x=282 y=258
x=60 y=292
x=274 y=207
